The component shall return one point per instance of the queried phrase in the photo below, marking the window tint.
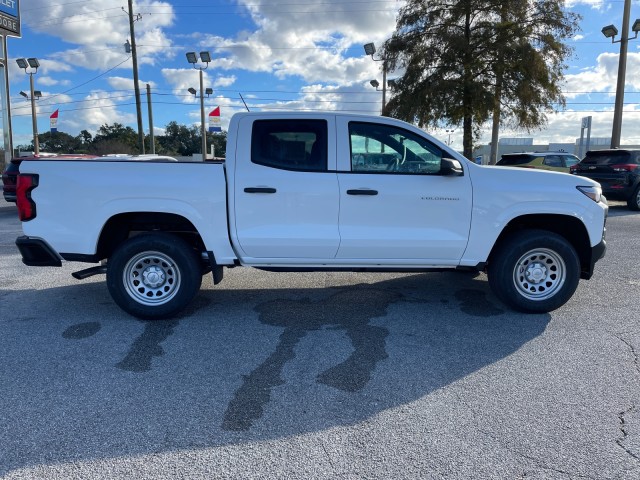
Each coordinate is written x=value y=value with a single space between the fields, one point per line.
x=570 y=160
x=290 y=144
x=512 y=160
x=607 y=158
x=553 y=161
x=385 y=149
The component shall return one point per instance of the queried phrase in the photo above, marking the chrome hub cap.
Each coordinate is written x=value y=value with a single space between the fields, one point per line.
x=539 y=274
x=151 y=278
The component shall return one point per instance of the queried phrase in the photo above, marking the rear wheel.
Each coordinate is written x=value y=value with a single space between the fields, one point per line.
x=153 y=276
x=634 y=200
x=534 y=271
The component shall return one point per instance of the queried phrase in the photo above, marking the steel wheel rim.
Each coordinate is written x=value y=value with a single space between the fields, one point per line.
x=539 y=274
x=151 y=278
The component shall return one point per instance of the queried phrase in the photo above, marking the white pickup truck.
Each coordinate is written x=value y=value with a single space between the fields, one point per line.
x=312 y=191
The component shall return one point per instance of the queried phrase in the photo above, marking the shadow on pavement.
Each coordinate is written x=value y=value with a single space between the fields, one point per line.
x=239 y=366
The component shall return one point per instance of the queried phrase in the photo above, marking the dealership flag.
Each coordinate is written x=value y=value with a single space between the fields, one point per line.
x=53 y=121
x=214 y=120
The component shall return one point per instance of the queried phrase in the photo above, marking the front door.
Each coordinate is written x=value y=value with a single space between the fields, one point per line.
x=395 y=205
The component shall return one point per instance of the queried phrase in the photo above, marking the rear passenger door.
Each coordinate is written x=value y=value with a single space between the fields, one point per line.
x=286 y=196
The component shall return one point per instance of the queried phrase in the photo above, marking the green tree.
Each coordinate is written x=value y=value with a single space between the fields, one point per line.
x=528 y=62
x=85 y=138
x=185 y=141
x=463 y=61
x=115 y=138
x=179 y=140
x=59 y=142
x=219 y=142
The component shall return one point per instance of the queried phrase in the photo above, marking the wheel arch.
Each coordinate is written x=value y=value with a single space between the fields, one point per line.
x=123 y=226
x=571 y=228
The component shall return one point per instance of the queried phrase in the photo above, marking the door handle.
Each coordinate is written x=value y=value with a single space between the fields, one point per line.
x=362 y=191
x=259 y=190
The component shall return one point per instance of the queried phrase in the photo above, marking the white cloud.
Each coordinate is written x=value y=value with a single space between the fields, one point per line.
x=306 y=40
x=103 y=28
x=182 y=79
x=224 y=81
x=90 y=113
x=603 y=76
x=125 y=83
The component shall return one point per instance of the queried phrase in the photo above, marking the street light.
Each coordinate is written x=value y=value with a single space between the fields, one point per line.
x=449 y=132
x=610 y=31
x=370 y=49
x=34 y=64
x=192 y=58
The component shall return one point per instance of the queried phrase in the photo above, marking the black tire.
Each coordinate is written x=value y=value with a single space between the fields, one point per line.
x=153 y=275
x=633 y=202
x=534 y=271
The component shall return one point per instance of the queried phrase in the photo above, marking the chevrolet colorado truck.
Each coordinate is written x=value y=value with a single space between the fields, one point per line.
x=309 y=192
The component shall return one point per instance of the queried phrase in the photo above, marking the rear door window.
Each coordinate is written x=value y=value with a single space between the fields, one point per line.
x=553 y=161
x=294 y=144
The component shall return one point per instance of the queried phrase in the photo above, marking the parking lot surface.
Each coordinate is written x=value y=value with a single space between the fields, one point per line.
x=321 y=375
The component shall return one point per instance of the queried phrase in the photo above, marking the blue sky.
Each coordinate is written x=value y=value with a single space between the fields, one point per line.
x=277 y=54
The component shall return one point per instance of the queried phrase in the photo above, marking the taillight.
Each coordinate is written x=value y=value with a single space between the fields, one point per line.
x=26 y=205
x=624 y=167
x=573 y=169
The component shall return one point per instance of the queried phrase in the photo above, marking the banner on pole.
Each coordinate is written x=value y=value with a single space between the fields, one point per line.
x=214 y=121
x=53 y=122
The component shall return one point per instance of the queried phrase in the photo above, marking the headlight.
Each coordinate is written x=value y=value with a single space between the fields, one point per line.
x=594 y=193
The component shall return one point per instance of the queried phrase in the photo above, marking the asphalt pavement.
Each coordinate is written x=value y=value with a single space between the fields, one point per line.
x=321 y=376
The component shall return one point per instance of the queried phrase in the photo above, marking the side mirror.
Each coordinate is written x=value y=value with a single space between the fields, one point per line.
x=451 y=167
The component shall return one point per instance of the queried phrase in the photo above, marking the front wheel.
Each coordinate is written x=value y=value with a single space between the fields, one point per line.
x=153 y=275
x=634 y=200
x=534 y=271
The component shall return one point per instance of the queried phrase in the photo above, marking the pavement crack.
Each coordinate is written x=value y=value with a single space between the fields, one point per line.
x=625 y=433
x=326 y=452
x=632 y=349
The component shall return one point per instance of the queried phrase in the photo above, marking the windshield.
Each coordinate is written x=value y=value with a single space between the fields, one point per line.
x=606 y=158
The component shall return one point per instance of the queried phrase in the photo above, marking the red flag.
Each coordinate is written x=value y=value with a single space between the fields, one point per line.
x=53 y=121
x=214 y=120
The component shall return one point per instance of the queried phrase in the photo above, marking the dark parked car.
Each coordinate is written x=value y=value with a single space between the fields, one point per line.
x=554 y=161
x=617 y=170
x=9 y=180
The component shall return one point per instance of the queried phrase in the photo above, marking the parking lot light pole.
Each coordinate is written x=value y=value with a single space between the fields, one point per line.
x=370 y=49
x=610 y=31
x=32 y=63
x=192 y=58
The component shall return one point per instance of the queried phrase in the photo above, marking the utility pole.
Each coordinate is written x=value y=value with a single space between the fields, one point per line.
x=152 y=140
x=622 y=70
x=34 y=119
x=6 y=106
x=136 y=87
x=610 y=31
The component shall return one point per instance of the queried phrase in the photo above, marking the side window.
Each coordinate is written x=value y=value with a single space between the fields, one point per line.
x=553 y=161
x=570 y=160
x=377 y=148
x=290 y=144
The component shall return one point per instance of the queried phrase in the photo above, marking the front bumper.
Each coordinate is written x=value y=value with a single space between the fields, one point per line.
x=37 y=253
x=597 y=252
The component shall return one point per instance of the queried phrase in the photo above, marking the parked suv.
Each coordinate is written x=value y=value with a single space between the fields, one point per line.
x=617 y=171
x=556 y=161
